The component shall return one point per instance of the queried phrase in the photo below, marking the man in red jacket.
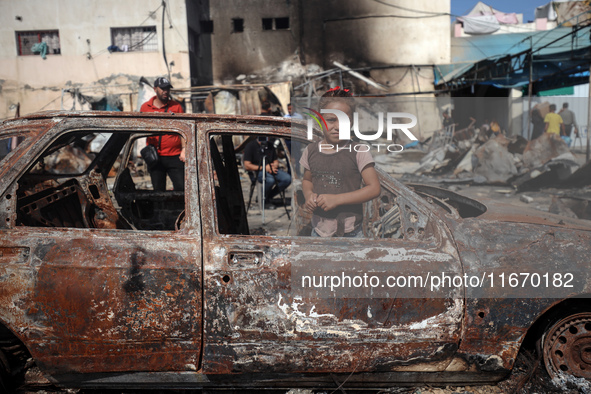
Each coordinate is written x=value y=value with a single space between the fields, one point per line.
x=171 y=150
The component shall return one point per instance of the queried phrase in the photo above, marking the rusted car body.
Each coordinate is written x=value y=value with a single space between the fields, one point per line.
x=105 y=283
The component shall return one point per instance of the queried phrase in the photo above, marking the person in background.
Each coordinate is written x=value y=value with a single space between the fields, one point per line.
x=495 y=128
x=291 y=114
x=570 y=122
x=170 y=147
x=538 y=122
x=447 y=119
x=554 y=123
x=253 y=163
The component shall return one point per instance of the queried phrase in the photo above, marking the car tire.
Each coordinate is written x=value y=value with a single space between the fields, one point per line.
x=566 y=346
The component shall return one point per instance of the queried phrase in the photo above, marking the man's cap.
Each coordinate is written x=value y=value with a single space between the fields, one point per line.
x=162 y=83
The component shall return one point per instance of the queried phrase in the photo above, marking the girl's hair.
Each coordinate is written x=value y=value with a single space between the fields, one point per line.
x=339 y=95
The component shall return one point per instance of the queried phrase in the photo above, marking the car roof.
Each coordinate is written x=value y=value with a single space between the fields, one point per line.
x=243 y=119
x=120 y=114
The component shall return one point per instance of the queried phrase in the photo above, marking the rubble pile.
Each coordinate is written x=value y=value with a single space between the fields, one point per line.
x=291 y=69
x=485 y=157
x=493 y=161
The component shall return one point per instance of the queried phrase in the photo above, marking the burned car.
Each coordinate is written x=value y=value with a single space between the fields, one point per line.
x=106 y=283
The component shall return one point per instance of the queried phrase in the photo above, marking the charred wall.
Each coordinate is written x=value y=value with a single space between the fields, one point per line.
x=200 y=42
x=361 y=33
x=265 y=39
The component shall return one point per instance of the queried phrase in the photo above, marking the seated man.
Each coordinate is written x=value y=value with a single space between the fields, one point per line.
x=254 y=153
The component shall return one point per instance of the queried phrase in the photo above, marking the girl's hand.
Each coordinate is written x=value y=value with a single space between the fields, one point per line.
x=311 y=203
x=328 y=201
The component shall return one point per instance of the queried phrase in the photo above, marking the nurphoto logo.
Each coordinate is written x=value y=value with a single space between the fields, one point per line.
x=344 y=127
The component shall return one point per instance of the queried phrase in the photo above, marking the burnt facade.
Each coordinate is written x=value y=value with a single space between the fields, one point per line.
x=247 y=37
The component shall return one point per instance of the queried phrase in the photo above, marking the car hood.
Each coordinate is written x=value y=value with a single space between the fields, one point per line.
x=492 y=210
x=509 y=213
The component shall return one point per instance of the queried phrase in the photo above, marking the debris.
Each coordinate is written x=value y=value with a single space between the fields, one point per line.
x=357 y=75
x=494 y=161
x=555 y=172
x=517 y=145
x=466 y=164
x=559 y=208
x=566 y=382
x=422 y=179
x=431 y=160
x=543 y=149
x=68 y=160
x=581 y=177
x=465 y=134
x=441 y=159
x=581 y=207
x=479 y=179
x=526 y=199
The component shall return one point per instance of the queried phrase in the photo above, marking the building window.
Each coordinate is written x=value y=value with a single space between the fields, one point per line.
x=206 y=27
x=281 y=23
x=267 y=23
x=276 y=23
x=26 y=39
x=237 y=25
x=134 y=39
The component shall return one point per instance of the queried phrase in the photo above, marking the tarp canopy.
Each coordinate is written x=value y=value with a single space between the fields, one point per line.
x=562 y=54
x=472 y=49
x=549 y=71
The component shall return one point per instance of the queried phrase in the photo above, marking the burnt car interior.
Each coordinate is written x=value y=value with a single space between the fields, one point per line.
x=97 y=179
x=449 y=201
x=388 y=216
x=145 y=208
x=80 y=181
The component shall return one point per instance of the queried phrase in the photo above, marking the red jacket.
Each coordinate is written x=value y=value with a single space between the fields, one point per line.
x=171 y=144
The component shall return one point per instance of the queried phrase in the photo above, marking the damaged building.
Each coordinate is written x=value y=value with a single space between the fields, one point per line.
x=92 y=55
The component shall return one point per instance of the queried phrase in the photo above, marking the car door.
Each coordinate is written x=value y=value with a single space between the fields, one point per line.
x=101 y=300
x=259 y=318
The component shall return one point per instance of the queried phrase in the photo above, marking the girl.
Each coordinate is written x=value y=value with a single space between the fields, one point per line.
x=333 y=175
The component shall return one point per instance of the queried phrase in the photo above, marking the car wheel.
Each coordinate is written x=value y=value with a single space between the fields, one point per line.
x=566 y=347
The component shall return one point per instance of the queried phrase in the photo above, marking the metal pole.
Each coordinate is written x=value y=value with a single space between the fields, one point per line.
x=530 y=88
x=263 y=193
x=413 y=74
x=588 y=117
x=357 y=75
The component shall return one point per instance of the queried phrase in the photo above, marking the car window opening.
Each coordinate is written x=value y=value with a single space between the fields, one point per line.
x=95 y=180
x=235 y=187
